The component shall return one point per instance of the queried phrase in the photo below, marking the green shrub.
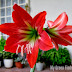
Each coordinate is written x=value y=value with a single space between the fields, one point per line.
x=41 y=57
x=2 y=43
x=8 y=55
x=60 y=57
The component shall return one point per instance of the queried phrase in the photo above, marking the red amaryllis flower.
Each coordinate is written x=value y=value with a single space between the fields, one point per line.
x=59 y=31
x=26 y=34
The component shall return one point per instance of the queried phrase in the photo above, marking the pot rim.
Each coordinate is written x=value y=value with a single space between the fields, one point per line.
x=7 y=59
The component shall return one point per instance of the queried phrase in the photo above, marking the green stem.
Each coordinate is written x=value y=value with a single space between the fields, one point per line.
x=33 y=69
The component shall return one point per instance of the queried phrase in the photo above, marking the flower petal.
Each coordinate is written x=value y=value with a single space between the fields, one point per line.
x=13 y=42
x=50 y=24
x=9 y=28
x=63 y=39
x=44 y=37
x=24 y=15
x=39 y=21
x=32 y=57
x=67 y=38
x=44 y=46
x=56 y=45
x=17 y=19
x=60 y=22
x=66 y=29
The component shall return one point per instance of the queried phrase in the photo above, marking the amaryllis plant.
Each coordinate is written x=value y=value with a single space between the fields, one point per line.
x=26 y=34
x=59 y=31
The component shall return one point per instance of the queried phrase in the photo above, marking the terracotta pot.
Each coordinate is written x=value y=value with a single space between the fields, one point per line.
x=19 y=65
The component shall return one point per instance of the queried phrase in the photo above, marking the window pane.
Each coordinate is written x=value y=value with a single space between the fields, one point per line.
x=7 y=36
x=8 y=19
x=14 y=1
x=2 y=3
x=8 y=2
x=21 y=1
x=2 y=12
x=12 y=9
x=4 y=37
x=2 y=20
x=8 y=11
x=23 y=6
x=12 y=21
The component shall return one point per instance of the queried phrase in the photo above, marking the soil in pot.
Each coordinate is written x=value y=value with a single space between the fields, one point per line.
x=19 y=65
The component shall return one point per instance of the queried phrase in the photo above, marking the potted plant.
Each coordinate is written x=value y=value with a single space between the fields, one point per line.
x=40 y=61
x=8 y=59
x=2 y=43
x=59 y=58
x=19 y=61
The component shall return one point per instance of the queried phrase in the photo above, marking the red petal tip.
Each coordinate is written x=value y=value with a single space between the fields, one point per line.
x=14 y=5
x=64 y=12
x=45 y=12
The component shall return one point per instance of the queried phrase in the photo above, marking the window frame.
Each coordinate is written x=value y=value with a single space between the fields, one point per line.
x=26 y=2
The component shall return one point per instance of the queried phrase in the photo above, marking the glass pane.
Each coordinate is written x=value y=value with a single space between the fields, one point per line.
x=8 y=2
x=2 y=20
x=23 y=6
x=7 y=36
x=12 y=21
x=8 y=19
x=14 y=1
x=4 y=37
x=3 y=12
x=2 y=3
x=21 y=1
x=8 y=11
x=12 y=9
x=1 y=33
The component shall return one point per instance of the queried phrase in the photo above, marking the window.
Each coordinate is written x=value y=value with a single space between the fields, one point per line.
x=6 y=11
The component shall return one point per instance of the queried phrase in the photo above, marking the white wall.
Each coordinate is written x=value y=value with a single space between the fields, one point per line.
x=53 y=8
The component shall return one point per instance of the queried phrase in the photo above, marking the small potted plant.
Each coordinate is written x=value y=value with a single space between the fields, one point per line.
x=19 y=61
x=8 y=59
x=40 y=61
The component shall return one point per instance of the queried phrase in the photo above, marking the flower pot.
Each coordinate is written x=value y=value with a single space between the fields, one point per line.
x=0 y=63
x=8 y=63
x=39 y=66
x=19 y=65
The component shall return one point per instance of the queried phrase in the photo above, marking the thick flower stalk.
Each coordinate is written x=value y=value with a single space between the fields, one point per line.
x=26 y=34
x=59 y=31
